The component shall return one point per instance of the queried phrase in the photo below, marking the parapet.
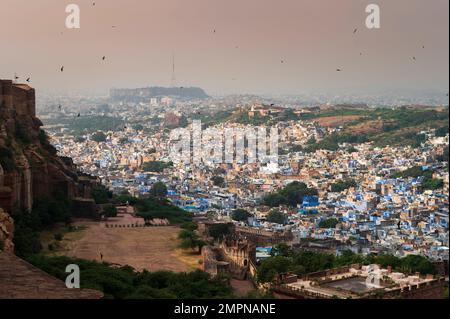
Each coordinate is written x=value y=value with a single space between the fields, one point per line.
x=20 y=97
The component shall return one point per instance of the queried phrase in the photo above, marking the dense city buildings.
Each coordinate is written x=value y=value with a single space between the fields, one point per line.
x=359 y=185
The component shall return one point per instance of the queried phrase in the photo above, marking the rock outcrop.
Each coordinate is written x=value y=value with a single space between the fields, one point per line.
x=6 y=232
x=29 y=165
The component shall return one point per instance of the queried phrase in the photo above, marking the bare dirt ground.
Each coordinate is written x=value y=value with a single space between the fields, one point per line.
x=241 y=288
x=150 y=248
x=336 y=120
x=368 y=127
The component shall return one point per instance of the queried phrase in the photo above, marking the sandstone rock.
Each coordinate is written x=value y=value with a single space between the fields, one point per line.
x=6 y=232
x=38 y=172
x=32 y=169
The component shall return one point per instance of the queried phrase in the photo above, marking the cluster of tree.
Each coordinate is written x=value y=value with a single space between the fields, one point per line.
x=433 y=184
x=89 y=124
x=444 y=156
x=276 y=217
x=411 y=138
x=156 y=206
x=110 y=210
x=218 y=181
x=428 y=183
x=29 y=224
x=138 y=127
x=400 y=127
x=240 y=215
x=101 y=195
x=295 y=148
x=158 y=190
x=189 y=238
x=332 y=141
x=156 y=166
x=219 y=231
x=341 y=186
x=328 y=223
x=401 y=118
x=256 y=120
x=126 y=283
x=99 y=137
x=284 y=259
x=291 y=195
x=210 y=119
x=442 y=131
x=124 y=140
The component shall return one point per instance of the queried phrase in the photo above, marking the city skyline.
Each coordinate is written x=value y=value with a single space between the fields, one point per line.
x=254 y=47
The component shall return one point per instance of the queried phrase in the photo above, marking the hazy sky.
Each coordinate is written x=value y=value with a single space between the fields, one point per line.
x=313 y=37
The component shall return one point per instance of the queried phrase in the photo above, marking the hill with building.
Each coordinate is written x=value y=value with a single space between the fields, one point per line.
x=145 y=94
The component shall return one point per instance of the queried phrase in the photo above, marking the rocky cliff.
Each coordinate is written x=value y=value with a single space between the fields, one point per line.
x=29 y=165
x=6 y=232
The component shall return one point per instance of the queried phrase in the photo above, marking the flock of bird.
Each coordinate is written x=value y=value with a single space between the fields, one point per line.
x=28 y=79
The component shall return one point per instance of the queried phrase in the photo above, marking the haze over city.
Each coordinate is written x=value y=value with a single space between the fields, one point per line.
x=227 y=47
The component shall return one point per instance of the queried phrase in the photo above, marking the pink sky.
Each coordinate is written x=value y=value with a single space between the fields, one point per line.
x=313 y=37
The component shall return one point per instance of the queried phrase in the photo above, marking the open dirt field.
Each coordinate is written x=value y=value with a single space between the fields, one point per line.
x=151 y=248
x=336 y=120
x=369 y=127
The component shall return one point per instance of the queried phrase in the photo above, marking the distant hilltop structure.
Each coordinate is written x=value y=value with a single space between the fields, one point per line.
x=145 y=94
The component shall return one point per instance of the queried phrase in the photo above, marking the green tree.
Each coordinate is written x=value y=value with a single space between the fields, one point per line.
x=271 y=267
x=291 y=195
x=274 y=200
x=126 y=283
x=282 y=250
x=218 y=231
x=159 y=190
x=190 y=240
x=99 y=137
x=240 y=215
x=433 y=184
x=218 y=181
x=110 y=211
x=328 y=223
x=442 y=131
x=101 y=195
x=416 y=263
x=156 y=166
x=276 y=217
x=189 y=226
x=341 y=186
